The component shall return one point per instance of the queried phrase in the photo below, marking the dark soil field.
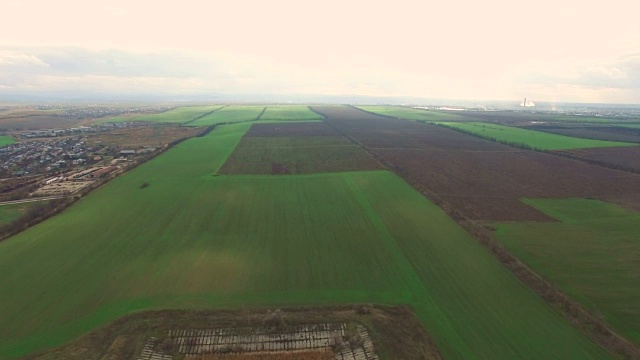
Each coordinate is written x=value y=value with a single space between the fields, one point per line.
x=294 y=129
x=482 y=179
x=296 y=148
x=607 y=133
x=38 y=122
x=626 y=158
x=157 y=135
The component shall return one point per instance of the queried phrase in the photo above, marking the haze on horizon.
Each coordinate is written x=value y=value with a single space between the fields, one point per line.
x=553 y=51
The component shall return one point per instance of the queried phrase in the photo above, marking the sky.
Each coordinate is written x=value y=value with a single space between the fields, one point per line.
x=547 y=50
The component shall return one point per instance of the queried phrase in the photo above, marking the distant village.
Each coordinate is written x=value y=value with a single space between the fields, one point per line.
x=62 y=161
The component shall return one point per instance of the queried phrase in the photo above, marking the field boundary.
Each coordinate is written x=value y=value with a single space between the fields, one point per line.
x=203 y=115
x=562 y=153
x=596 y=328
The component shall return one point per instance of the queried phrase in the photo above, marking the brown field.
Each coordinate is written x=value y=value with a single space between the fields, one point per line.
x=395 y=331
x=34 y=122
x=627 y=158
x=291 y=130
x=156 y=135
x=606 y=133
x=481 y=179
x=296 y=148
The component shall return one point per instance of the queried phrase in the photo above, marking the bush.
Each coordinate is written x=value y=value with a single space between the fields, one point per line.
x=274 y=319
x=144 y=185
x=364 y=309
x=337 y=343
x=167 y=346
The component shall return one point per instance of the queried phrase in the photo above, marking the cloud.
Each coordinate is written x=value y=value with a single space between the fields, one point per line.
x=11 y=58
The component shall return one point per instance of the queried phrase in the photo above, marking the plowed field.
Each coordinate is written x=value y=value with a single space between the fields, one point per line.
x=482 y=179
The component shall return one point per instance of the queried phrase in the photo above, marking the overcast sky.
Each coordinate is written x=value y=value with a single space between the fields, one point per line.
x=548 y=50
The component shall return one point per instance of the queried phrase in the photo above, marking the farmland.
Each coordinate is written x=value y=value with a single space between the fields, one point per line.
x=626 y=158
x=598 y=132
x=289 y=113
x=408 y=113
x=529 y=138
x=200 y=240
x=266 y=149
x=6 y=140
x=230 y=114
x=178 y=115
x=481 y=179
x=592 y=253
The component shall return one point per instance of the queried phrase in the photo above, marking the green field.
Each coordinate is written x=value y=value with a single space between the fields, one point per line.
x=230 y=114
x=290 y=113
x=192 y=239
x=584 y=119
x=629 y=126
x=9 y=213
x=593 y=254
x=402 y=112
x=529 y=138
x=178 y=115
x=6 y=140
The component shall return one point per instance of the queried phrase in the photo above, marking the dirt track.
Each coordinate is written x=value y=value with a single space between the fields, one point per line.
x=482 y=179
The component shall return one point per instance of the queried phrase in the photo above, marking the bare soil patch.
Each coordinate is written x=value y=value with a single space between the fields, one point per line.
x=625 y=158
x=34 y=122
x=156 y=135
x=481 y=179
x=607 y=133
x=296 y=148
x=291 y=129
x=395 y=331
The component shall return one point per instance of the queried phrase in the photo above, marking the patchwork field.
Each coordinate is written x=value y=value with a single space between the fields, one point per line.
x=289 y=113
x=607 y=133
x=528 y=138
x=230 y=114
x=521 y=117
x=296 y=148
x=593 y=254
x=482 y=179
x=408 y=113
x=626 y=158
x=192 y=240
x=178 y=115
x=155 y=135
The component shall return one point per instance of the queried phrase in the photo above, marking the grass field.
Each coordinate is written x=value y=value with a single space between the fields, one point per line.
x=402 y=112
x=191 y=240
x=6 y=140
x=592 y=254
x=629 y=126
x=586 y=119
x=9 y=213
x=530 y=138
x=230 y=114
x=290 y=113
x=178 y=115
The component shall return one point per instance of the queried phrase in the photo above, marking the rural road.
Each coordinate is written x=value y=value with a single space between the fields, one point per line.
x=30 y=200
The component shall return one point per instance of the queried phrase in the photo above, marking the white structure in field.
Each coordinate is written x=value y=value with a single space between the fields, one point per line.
x=526 y=103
